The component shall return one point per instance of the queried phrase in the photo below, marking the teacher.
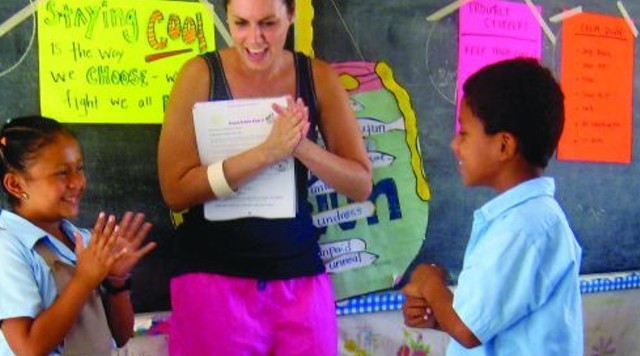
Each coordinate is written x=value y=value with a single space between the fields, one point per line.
x=256 y=286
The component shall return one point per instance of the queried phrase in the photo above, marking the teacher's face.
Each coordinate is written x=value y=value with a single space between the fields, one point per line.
x=259 y=30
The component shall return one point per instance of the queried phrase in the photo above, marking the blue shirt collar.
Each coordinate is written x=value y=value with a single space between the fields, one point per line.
x=520 y=193
x=30 y=234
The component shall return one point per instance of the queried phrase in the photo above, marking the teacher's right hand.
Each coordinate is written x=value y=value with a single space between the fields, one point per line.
x=291 y=125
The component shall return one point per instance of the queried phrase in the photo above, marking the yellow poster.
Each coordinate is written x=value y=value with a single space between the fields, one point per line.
x=115 y=61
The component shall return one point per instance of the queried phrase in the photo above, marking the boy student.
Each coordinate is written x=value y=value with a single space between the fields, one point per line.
x=518 y=291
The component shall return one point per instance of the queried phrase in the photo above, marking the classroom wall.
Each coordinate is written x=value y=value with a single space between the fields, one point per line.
x=121 y=165
x=599 y=198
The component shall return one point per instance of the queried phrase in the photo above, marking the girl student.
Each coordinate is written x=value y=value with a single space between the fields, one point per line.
x=65 y=290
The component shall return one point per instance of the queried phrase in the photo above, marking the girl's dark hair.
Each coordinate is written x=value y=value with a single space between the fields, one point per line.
x=20 y=141
x=291 y=4
x=523 y=98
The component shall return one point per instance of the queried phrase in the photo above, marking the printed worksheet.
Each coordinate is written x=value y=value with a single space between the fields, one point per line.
x=224 y=128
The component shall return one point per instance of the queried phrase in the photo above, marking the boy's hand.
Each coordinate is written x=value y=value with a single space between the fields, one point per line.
x=417 y=313
x=423 y=278
x=132 y=232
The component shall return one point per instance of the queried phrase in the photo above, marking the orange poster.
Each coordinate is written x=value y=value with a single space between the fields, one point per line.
x=597 y=79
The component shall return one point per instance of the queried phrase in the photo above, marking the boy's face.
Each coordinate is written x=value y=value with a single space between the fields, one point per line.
x=478 y=153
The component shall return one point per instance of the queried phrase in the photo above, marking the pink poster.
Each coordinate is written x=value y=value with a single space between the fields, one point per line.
x=491 y=31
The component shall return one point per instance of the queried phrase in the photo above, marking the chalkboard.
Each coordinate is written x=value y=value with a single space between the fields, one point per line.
x=600 y=199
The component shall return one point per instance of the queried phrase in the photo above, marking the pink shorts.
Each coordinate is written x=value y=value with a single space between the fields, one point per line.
x=222 y=315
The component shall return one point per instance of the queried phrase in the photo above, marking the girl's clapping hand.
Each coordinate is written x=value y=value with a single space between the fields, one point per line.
x=128 y=245
x=96 y=259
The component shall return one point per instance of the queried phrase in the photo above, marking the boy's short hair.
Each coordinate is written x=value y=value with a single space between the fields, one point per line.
x=520 y=97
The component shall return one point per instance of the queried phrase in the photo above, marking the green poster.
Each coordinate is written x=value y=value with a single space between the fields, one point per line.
x=367 y=246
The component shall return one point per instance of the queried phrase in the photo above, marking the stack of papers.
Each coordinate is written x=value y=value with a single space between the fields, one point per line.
x=225 y=128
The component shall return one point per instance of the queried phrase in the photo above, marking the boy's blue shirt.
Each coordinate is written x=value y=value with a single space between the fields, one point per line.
x=519 y=289
x=26 y=282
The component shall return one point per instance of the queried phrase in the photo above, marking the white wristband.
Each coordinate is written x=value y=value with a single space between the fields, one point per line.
x=218 y=182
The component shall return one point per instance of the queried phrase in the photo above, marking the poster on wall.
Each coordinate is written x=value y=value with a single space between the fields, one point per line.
x=115 y=61
x=367 y=246
x=491 y=31
x=597 y=78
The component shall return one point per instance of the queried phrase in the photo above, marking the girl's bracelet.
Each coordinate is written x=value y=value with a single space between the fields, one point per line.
x=119 y=278
x=113 y=290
